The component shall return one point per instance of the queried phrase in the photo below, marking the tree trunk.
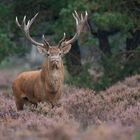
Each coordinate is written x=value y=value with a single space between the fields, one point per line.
x=74 y=59
x=103 y=37
x=104 y=42
x=133 y=42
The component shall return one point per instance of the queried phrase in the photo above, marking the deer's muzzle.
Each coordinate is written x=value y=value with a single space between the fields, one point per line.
x=55 y=63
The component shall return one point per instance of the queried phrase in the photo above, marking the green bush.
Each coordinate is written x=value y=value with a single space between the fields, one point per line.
x=9 y=48
x=83 y=79
x=113 y=20
x=6 y=46
x=117 y=67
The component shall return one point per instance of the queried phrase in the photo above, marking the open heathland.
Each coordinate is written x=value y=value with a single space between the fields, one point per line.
x=81 y=114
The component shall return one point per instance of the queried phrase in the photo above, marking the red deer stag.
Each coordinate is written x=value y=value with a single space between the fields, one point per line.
x=44 y=84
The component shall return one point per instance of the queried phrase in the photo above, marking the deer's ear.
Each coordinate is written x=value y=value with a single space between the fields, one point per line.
x=66 y=49
x=41 y=50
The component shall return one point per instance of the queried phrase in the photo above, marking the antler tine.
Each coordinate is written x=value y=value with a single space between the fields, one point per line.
x=80 y=22
x=17 y=22
x=82 y=17
x=25 y=29
x=43 y=37
x=62 y=40
x=45 y=41
x=24 y=22
x=86 y=15
x=32 y=20
x=77 y=16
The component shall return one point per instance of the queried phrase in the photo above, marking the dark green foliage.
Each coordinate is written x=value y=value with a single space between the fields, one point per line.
x=66 y=23
x=113 y=20
x=55 y=17
x=118 y=67
x=7 y=26
x=5 y=46
x=83 y=79
x=9 y=48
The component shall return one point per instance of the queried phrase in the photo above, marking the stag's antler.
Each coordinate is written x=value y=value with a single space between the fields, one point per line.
x=25 y=29
x=62 y=40
x=80 y=22
x=45 y=41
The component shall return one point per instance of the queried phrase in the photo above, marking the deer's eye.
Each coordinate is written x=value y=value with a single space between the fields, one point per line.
x=60 y=53
x=47 y=54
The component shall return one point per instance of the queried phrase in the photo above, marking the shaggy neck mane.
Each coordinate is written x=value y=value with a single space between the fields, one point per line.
x=52 y=77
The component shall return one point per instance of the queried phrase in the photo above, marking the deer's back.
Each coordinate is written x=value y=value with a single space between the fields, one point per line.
x=25 y=82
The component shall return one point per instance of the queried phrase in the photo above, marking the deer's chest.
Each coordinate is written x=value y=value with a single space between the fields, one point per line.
x=55 y=75
x=55 y=80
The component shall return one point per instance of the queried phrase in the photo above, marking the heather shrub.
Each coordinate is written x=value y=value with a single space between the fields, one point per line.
x=30 y=124
x=83 y=114
x=108 y=132
x=113 y=104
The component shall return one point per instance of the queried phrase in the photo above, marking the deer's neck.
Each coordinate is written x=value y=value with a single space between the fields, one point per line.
x=52 y=78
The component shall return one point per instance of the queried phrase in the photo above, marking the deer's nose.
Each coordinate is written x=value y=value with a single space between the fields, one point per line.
x=55 y=60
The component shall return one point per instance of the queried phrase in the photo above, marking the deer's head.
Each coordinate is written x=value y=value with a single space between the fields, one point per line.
x=54 y=54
